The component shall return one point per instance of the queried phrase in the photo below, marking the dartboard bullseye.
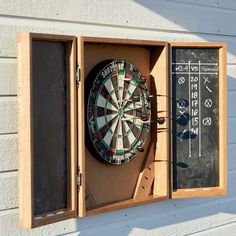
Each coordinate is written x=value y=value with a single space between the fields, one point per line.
x=118 y=111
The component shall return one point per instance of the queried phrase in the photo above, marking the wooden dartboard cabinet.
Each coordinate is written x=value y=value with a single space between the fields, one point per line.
x=60 y=175
x=111 y=186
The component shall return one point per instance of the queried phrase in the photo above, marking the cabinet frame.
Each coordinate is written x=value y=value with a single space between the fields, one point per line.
x=160 y=64
x=220 y=190
x=25 y=137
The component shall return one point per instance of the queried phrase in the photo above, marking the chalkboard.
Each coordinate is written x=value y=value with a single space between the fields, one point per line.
x=49 y=118
x=195 y=117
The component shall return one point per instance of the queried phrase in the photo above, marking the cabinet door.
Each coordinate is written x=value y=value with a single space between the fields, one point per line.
x=198 y=76
x=47 y=128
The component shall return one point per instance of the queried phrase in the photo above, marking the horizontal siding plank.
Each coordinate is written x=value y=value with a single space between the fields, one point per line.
x=9 y=157
x=144 y=14
x=180 y=221
x=8 y=152
x=7 y=76
x=8 y=114
x=231 y=72
x=9 y=226
x=229 y=4
x=9 y=197
x=8 y=121
x=231 y=157
x=231 y=130
x=231 y=103
x=11 y=26
x=223 y=230
x=9 y=190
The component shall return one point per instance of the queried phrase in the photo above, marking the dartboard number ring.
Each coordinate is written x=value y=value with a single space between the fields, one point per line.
x=118 y=111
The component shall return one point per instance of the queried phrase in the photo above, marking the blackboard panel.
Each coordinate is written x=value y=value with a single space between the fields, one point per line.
x=195 y=93
x=49 y=118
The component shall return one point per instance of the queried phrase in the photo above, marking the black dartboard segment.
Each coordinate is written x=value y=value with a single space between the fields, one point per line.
x=118 y=112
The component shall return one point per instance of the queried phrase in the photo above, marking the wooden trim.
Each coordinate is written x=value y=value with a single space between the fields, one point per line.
x=123 y=41
x=73 y=125
x=26 y=192
x=197 y=44
x=52 y=217
x=51 y=37
x=220 y=190
x=24 y=126
x=159 y=52
x=125 y=204
x=162 y=159
x=223 y=116
x=170 y=124
x=198 y=192
x=81 y=129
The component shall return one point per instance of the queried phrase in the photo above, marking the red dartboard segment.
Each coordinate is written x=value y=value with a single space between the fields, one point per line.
x=113 y=117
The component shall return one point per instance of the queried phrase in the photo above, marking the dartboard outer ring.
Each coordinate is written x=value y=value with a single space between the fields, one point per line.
x=113 y=118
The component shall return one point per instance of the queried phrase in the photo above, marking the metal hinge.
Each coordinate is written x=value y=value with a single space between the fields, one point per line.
x=78 y=179
x=77 y=76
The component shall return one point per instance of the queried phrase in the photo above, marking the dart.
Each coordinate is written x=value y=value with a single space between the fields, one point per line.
x=140 y=149
x=147 y=122
x=135 y=98
x=150 y=98
x=142 y=79
x=161 y=120
x=132 y=99
x=124 y=100
x=126 y=149
x=126 y=79
x=125 y=119
x=144 y=117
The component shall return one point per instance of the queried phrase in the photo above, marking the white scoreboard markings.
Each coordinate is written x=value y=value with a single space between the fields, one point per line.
x=195 y=77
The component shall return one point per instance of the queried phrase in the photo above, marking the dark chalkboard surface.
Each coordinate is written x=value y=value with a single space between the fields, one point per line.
x=49 y=126
x=195 y=107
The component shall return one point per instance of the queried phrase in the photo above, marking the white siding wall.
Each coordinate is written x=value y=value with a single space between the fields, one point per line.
x=170 y=20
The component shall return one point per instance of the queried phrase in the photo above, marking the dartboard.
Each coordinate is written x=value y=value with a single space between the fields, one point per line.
x=118 y=111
